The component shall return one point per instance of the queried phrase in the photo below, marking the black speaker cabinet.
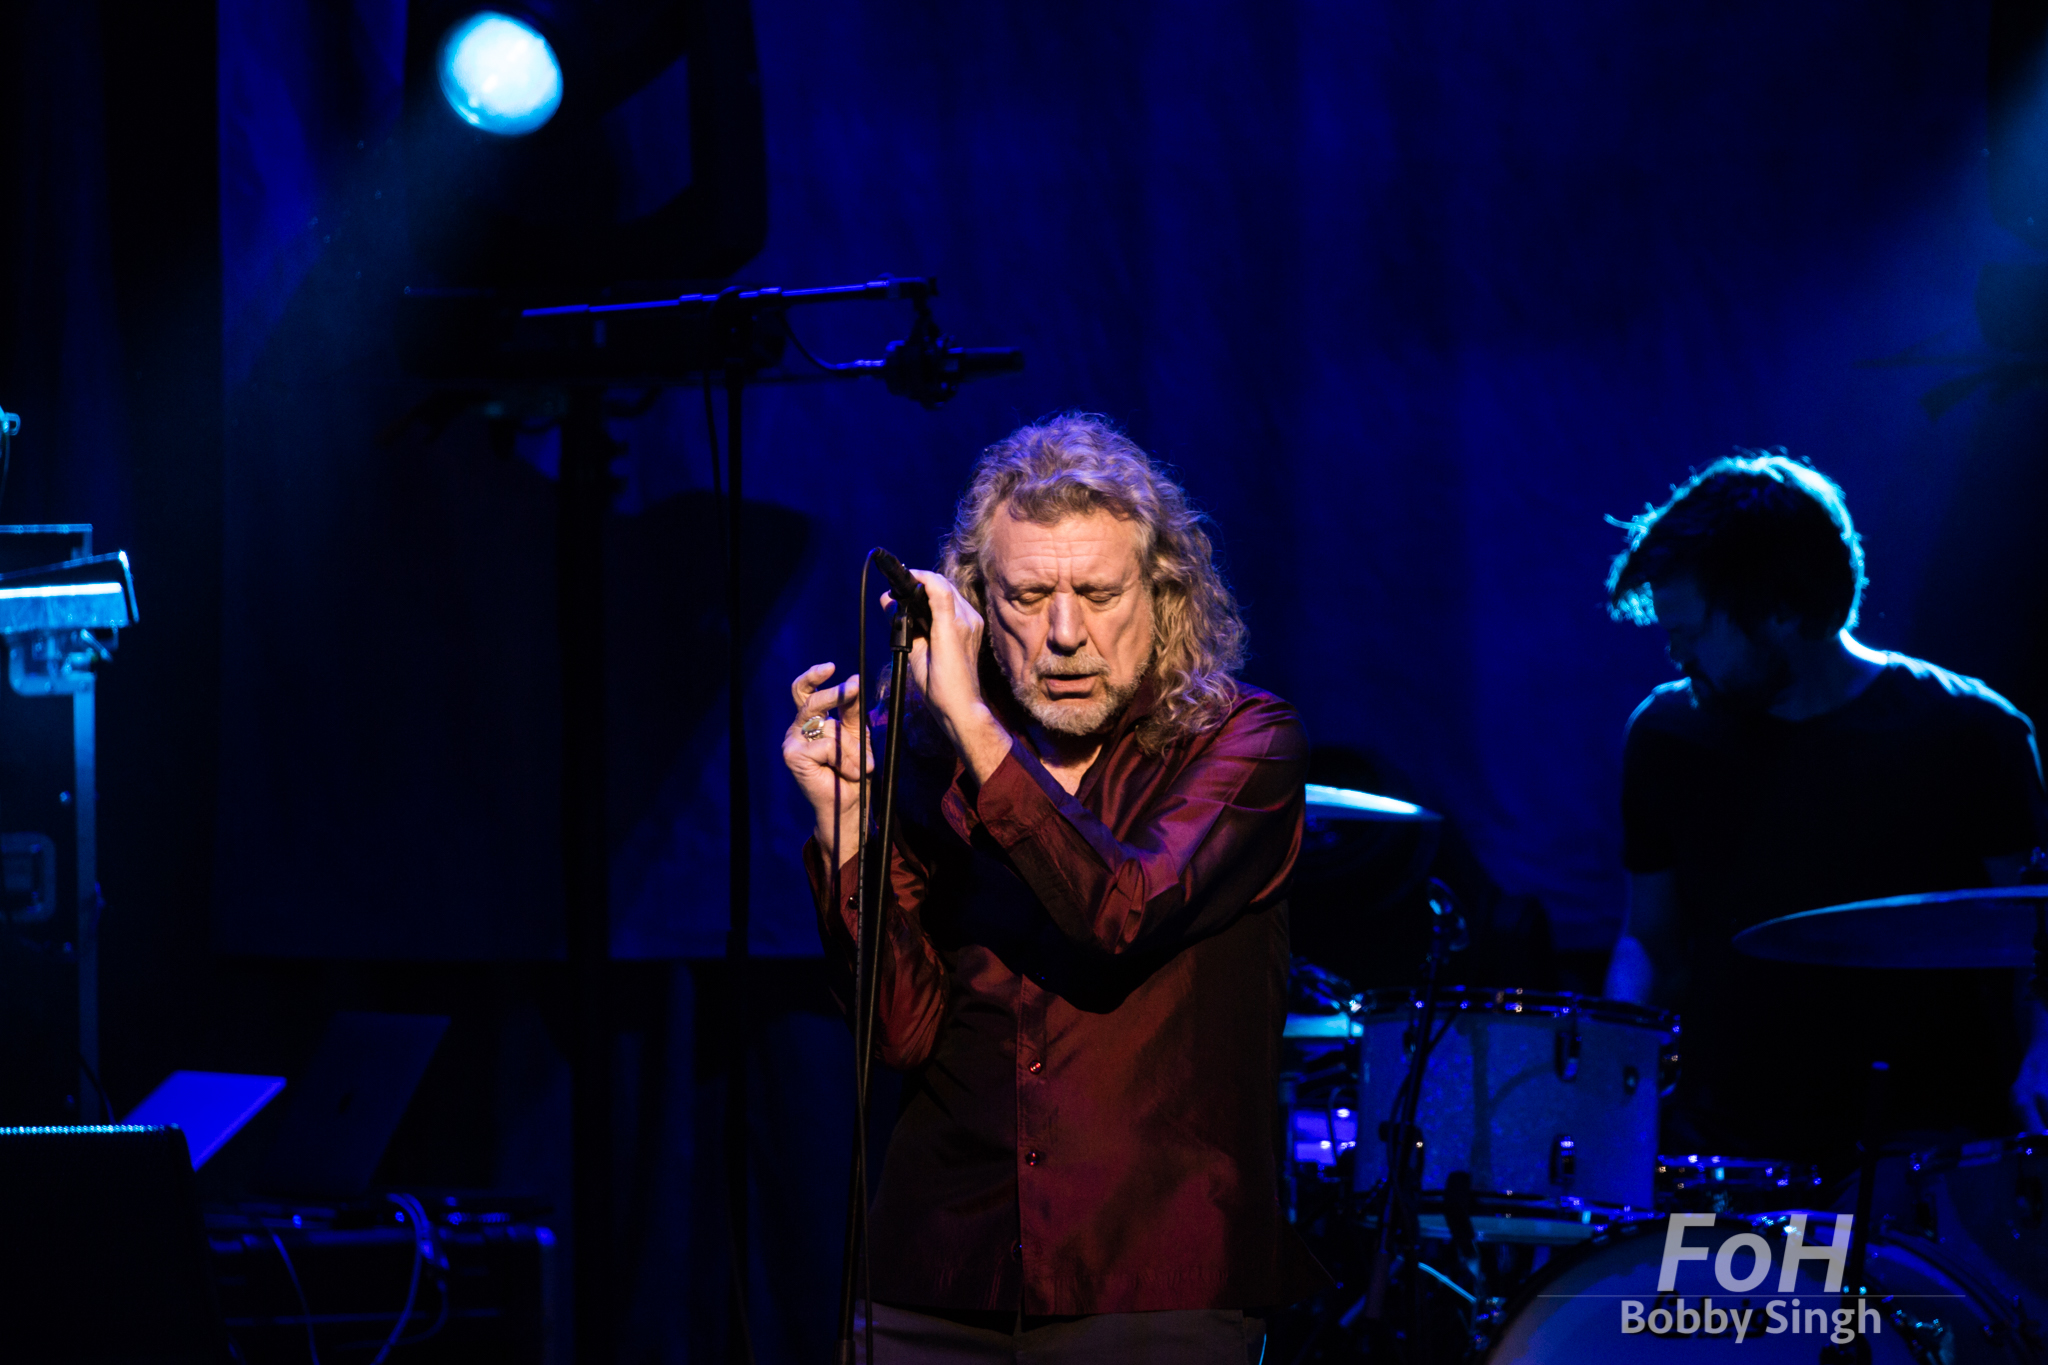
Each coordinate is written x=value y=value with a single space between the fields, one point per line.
x=104 y=1261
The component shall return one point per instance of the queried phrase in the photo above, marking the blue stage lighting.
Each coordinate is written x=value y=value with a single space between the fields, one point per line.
x=500 y=74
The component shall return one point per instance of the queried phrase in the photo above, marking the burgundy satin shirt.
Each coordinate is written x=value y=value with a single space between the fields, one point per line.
x=1088 y=991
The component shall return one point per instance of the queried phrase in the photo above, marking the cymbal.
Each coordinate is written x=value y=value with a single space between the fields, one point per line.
x=1986 y=926
x=1343 y=803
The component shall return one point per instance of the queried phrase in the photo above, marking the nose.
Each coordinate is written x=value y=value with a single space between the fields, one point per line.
x=1066 y=631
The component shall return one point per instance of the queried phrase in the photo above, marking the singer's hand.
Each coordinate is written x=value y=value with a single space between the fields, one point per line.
x=829 y=769
x=946 y=669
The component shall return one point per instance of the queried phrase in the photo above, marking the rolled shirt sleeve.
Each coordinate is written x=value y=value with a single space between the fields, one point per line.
x=911 y=983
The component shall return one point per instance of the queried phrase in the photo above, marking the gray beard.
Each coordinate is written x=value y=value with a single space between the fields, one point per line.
x=1064 y=718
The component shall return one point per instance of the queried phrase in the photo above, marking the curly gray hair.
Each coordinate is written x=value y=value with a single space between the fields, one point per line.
x=1078 y=463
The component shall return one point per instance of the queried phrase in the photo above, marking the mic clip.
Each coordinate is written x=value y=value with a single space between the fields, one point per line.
x=928 y=367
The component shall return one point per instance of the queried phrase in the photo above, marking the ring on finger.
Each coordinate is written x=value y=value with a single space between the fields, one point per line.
x=812 y=728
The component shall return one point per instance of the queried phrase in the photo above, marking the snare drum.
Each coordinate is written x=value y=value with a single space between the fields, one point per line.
x=1540 y=1096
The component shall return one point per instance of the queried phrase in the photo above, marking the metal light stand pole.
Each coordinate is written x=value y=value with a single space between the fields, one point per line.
x=739 y=886
x=584 y=498
x=476 y=341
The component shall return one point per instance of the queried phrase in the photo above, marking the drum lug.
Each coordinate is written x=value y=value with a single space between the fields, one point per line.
x=1668 y=1069
x=1489 y=1315
x=1413 y=1150
x=1564 y=1161
x=1565 y=1054
x=2028 y=1205
x=1929 y=1340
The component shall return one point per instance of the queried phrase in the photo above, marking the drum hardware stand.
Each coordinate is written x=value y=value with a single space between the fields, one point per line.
x=1876 y=1085
x=1482 y=1303
x=1404 y=1142
x=2034 y=874
x=1400 y=1190
x=1337 y=997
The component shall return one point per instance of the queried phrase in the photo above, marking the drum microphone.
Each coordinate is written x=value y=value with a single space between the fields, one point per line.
x=910 y=594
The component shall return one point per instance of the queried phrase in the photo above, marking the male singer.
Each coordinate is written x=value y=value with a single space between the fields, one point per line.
x=1084 y=955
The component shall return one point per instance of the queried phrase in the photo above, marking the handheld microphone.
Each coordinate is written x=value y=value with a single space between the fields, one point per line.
x=910 y=594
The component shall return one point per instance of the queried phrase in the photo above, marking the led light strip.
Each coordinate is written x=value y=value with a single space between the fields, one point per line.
x=62 y=590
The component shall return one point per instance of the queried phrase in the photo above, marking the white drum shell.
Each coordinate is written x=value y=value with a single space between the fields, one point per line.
x=1496 y=1101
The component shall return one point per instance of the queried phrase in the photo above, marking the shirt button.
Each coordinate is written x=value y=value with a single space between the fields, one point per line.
x=1031 y=1158
x=1037 y=1067
x=1018 y=1251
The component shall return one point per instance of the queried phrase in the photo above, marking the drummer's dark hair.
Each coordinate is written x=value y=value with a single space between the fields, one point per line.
x=1761 y=533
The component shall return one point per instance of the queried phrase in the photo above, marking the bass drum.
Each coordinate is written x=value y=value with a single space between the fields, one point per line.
x=1985 y=1203
x=1928 y=1307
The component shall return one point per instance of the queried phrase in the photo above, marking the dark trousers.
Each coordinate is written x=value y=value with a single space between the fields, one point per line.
x=1198 y=1336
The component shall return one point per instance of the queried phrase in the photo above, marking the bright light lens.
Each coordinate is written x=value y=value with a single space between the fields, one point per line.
x=500 y=74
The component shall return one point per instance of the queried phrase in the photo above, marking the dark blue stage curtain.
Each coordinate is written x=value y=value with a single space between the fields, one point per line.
x=1411 y=295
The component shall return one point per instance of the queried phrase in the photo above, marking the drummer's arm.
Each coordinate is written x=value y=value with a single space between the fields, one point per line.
x=1648 y=966
x=2030 y=1087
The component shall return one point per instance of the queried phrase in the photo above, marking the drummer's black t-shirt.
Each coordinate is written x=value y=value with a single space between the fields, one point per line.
x=1908 y=787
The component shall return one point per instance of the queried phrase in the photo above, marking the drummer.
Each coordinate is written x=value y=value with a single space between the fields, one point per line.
x=1793 y=768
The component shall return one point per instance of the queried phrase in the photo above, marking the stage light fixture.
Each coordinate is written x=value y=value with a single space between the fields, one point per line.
x=499 y=74
x=591 y=143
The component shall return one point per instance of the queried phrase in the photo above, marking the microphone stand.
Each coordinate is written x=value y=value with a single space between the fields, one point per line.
x=904 y=627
